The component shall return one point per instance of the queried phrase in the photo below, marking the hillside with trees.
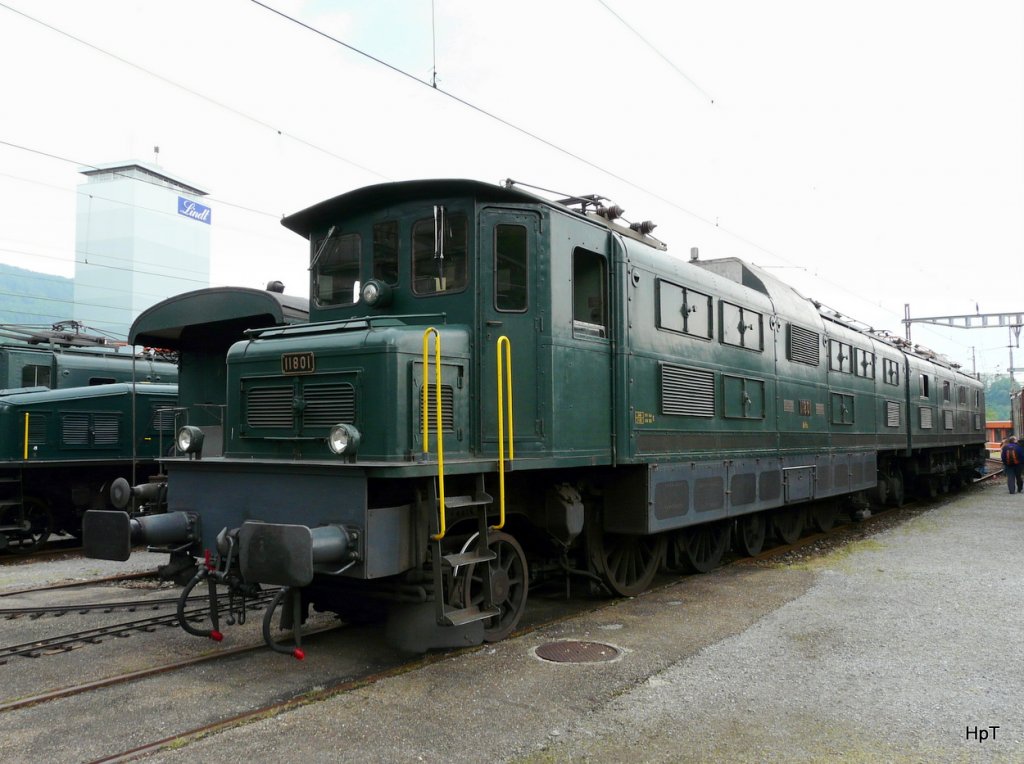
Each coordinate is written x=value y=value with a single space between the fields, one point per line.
x=34 y=299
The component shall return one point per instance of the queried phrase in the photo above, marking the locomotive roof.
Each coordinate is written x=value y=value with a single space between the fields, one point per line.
x=36 y=395
x=223 y=312
x=372 y=197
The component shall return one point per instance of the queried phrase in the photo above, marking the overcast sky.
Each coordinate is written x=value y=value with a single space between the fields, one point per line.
x=870 y=153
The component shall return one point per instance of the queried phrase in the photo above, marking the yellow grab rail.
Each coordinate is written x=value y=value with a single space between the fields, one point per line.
x=504 y=350
x=26 y=436
x=442 y=528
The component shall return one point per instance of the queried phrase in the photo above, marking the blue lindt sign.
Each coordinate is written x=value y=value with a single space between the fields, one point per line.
x=191 y=209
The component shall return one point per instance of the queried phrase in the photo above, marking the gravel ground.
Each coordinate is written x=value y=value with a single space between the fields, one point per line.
x=892 y=648
x=21 y=573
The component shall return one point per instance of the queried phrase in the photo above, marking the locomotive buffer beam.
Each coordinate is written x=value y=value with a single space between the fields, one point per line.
x=289 y=555
x=111 y=534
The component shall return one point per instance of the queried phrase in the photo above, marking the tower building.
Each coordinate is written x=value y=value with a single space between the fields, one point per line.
x=142 y=235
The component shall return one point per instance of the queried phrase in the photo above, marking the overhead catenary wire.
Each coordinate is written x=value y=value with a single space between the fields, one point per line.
x=657 y=52
x=196 y=93
x=468 y=104
x=573 y=155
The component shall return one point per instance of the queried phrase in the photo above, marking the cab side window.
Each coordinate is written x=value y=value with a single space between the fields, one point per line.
x=511 y=264
x=589 y=289
x=35 y=376
x=337 y=268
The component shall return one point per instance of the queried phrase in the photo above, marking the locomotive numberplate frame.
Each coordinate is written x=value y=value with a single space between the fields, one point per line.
x=298 y=363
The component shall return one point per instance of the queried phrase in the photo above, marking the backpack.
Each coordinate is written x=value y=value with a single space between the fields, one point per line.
x=1011 y=454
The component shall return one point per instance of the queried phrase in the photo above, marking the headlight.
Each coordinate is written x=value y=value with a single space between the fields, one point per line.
x=376 y=294
x=343 y=439
x=190 y=440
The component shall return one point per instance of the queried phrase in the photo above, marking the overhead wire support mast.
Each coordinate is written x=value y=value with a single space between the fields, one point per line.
x=1012 y=321
x=968 y=321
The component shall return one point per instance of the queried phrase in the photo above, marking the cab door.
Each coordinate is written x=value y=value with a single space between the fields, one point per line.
x=510 y=306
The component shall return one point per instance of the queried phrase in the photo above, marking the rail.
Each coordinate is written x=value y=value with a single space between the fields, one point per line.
x=425 y=416
x=504 y=351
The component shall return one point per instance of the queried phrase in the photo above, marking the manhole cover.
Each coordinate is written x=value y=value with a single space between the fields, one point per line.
x=572 y=651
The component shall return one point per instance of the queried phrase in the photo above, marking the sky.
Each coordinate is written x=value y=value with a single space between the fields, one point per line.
x=871 y=154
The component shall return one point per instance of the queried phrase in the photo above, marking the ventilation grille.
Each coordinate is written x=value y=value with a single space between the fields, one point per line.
x=74 y=430
x=687 y=392
x=104 y=428
x=926 y=418
x=163 y=419
x=36 y=430
x=892 y=414
x=89 y=429
x=328 y=405
x=803 y=345
x=447 y=408
x=947 y=420
x=270 y=407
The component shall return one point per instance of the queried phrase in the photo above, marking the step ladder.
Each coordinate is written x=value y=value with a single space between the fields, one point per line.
x=446 y=566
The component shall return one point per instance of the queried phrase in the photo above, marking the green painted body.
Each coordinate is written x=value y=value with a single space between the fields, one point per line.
x=682 y=392
x=25 y=366
x=78 y=441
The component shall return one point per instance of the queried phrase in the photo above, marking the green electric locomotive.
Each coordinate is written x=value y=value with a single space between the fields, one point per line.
x=61 y=450
x=495 y=387
x=65 y=356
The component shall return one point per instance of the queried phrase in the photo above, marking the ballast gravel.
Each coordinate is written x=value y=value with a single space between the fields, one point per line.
x=905 y=646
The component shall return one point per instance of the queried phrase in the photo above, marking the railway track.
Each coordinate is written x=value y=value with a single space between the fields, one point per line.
x=72 y=640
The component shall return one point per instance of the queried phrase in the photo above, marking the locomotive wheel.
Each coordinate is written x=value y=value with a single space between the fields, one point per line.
x=626 y=563
x=704 y=545
x=825 y=515
x=40 y=522
x=509 y=584
x=788 y=524
x=751 y=531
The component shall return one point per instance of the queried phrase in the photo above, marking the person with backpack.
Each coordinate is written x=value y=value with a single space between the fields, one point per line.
x=1012 y=456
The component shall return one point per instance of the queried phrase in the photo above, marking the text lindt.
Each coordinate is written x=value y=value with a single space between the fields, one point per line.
x=193 y=210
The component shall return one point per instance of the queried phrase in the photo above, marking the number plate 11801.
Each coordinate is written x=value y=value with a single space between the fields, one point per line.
x=297 y=363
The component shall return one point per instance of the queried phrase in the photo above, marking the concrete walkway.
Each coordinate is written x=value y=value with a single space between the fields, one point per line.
x=903 y=647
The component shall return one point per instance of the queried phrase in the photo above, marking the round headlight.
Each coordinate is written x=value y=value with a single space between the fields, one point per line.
x=371 y=293
x=343 y=439
x=376 y=294
x=190 y=439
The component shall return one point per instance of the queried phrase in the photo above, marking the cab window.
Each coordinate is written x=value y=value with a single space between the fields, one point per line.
x=511 y=254
x=432 y=274
x=337 y=268
x=589 y=307
x=35 y=376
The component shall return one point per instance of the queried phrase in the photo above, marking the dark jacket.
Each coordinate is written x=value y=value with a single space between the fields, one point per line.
x=1014 y=448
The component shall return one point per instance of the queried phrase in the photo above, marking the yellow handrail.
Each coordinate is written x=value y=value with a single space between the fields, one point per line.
x=503 y=344
x=442 y=528
x=26 y=436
